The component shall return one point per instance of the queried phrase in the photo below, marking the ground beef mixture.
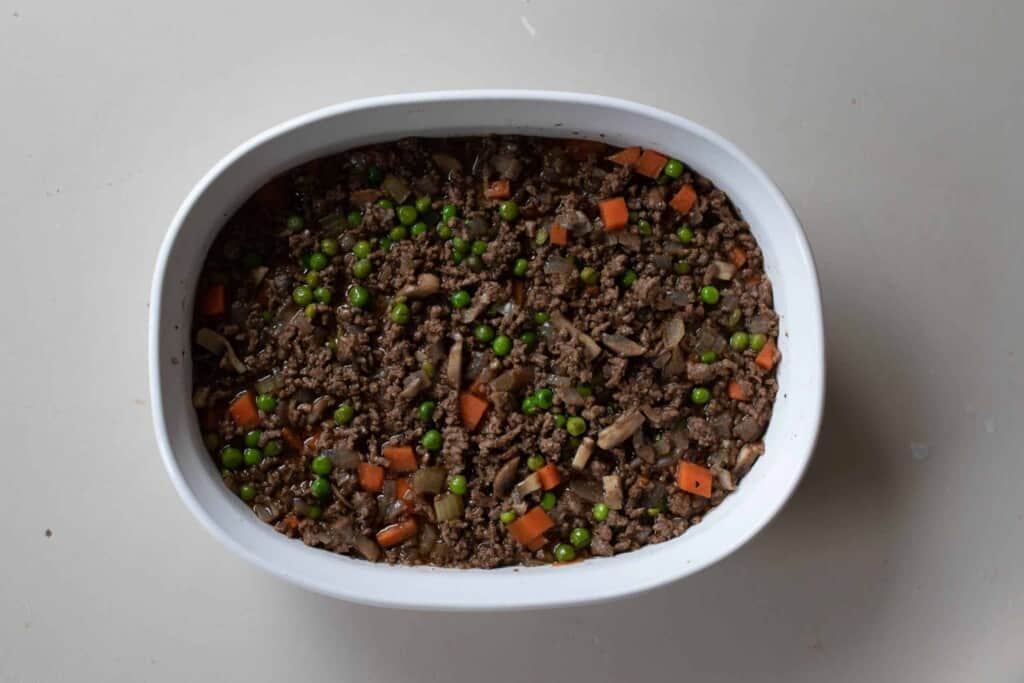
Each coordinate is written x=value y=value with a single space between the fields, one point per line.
x=485 y=351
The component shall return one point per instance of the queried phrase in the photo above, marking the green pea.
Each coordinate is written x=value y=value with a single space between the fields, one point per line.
x=407 y=215
x=322 y=294
x=535 y=462
x=443 y=231
x=231 y=458
x=355 y=219
x=345 y=413
x=502 y=346
x=508 y=210
x=358 y=296
x=211 y=440
x=708 y=357
x=541 y=317
x=584 y=390
x=520 y=267
x=545 y=398
x=654 y=511
x=302 y=295
x=580 y=537
x=247 y=492
x=267 y=316
x=529 y=405
x=479 y=247
x=295 y=223
x=684 y=234
x=645 y=228
x=321 y=465
x=361 y=249
x=541 y=238
x=428 y=369
x=757 y=341
x=709 y=294
x=700 y=395
x=560 y=421
x=600 y=512
x=272 y=448
x=425 y=411
x=574 y=442
x=548 y=500
x=475 y=263
x=251 y=260
x=529 y=339
x=628 y=278
x=681 y=267
x=386 y=243
x=739 y=341
x=252 y=438
x=418 y=229
x=384 y=203
x=310 y=310
x=375 y=174
x=448 y=212
x=362 y=268
x=304 y=261
x=589 y=275
x=321 y=488
x=317 y=261
x=484 y=333
x=734 y=318
x=266 y=403
x=400 y=313
x=312 y=278
x=674 y=168
x=576 y=426
x=508 y=516
x=329 y=246
x=459 y=244
x=432 y=440
x=460 y=299
x=398 y=233
x=423 y=204
x=314 y=512
x=634 y=216
x=457 y=485
x=252 y=456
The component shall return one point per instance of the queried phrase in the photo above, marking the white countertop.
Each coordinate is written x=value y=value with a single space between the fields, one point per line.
x=892 y=127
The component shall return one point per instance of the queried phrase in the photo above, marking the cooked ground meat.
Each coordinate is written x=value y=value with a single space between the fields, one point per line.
x=486 y=351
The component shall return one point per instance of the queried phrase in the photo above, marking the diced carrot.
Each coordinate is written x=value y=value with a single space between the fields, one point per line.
x=243 y=410
x=738 y=257
x=694 y=479
x=477 y=388
x=397 y=533
x=310 y=443
x=213 y=301
x=518 y=292
x=650 y=163
x=291 y=521
x=684 y=199
x=736 y=392
x=531 y=525
x=558 y=235
x=472 y=409
x=768 y=356
x=402 y=488
x=401 y=458
x=371 y=477
x=580 y=150
x=549 y=476
x=614 y=213
x=499 y=189
x=537 y=543
x=626 y=157
x=292 y=439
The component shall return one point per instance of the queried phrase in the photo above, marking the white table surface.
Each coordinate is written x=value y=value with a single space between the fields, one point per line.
x=894 y=129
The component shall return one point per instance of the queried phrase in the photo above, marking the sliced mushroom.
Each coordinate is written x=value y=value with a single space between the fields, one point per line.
x=426 y=284
x=612 y=491
x=724 y=478
x=583 y=453
x=589 y=345
x=363 y=198
x=447 y=163
x=455 y=363
x=529 y=485
x=587 y=489
x=396 y=187
x=620 y=430
x=414 y=383
x=624 y=346
x=215 y=343
x=673 y=332
x=642 y=449
x=505 y=478
x=748 y=455
x=512 y=379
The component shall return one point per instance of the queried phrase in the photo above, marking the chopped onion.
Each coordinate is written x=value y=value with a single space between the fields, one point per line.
x=760 y=324
x=624 y=346
x=673 y=332
x=676 y=364
x=363 y=198
x=630 y=240
x=724 y=270
x=428 y=539
x=587 y=489
x=215 y=343
x=428 y=480
x=343 y=458
x=448 y=506
x=575 y=222
x=414 y=383
x=570 y=396
x=529 y=485
x=507 y=166
x=674 y=248
x=447 y=163
x=396 y=187
x=557 y=380
x=557 y=265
